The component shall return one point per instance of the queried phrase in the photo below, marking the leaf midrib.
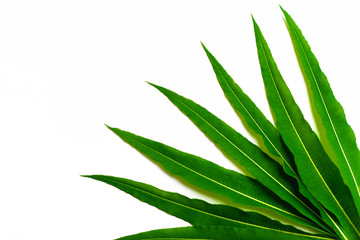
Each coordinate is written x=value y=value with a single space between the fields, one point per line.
x=327 y=112
x=254 y=162
x=222 y=75
x=218 y=183
x=257 y=125
x=298 y=136
x=217 y=216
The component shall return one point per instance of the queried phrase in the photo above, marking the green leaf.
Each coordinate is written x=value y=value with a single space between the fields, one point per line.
x=234 y=145
x=196 y=233
x=260 y=124
x=252 y=116
x=319 y=174
x=198 y=212
x=338 y=132
x=214 y=233
x=211 y=177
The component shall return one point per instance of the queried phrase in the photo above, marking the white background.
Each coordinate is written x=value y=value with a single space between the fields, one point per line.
x=67 y=67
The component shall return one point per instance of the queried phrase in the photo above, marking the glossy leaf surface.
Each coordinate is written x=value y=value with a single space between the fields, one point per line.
x=338 y=132
x=211 y=177
x=237 y=147
x=252 y=115
x=294 y=176
x=260 y=125
x=200 y=213
x=318 y=172
x=214 y=233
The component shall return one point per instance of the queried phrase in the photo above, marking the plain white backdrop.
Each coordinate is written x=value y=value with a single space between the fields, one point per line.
x=68 y=67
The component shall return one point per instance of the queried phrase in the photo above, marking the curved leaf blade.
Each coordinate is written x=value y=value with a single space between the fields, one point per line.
x=338 y=132
x=213 y=233
x=198 y=212
x=319 y=174
x=252 y=115
x=260 y=125
x=183 y=233
x=212 y=177
x=238 y=148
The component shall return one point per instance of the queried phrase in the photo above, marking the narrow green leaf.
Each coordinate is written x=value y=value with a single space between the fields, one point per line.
x=319 y=174
x=252 y=116
x=214 y=233
x=183 y=233
x=198 y=212
x=260 y=125
x=338 y=132
x=237 y=147
x=211 y=177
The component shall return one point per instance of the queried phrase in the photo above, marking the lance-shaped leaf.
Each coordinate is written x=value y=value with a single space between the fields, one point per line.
x=212 y=177
x=338 y=132
x=196 y=233
x=318 y=172
x=252 y=115
x=237 y=147
x=216 y=233
x=255 y=119
x=198 y=212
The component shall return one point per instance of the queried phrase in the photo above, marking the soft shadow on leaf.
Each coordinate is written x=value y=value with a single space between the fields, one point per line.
x=317 y=119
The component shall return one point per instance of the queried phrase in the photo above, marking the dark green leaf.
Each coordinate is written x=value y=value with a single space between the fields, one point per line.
x=258 y=122
x=237 y=147
x=215 y=233
x=338 y=132
x=211 y=177
x=319 y=174
x=252 y=116
x=200 y=213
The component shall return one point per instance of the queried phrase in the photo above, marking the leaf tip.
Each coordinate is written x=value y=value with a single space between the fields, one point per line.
x=253 y=20
x=87 y=176
x=203 y=45
x=283 y=10
x=208 y=53
x=151 y=84
x=111 y=128
x=117 y=131
x=155 y=86
x=96 y=177
x=205 y=49
x=161 y=89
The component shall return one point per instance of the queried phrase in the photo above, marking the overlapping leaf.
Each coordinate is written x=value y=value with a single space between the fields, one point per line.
x=214 y=233
x=308 y=188
x=319 y=174
x=338 y=132
x=237 y=147
x=196 y=233
x=211 y=177
x=200 y=213
x=260 y=125
x=252 y=116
